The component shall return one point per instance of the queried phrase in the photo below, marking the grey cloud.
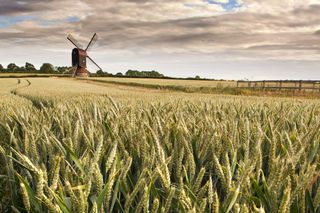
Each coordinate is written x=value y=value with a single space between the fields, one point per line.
x=230 y=32
x=12 y=7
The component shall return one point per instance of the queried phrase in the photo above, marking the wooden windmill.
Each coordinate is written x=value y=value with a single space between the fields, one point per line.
x=79 y=57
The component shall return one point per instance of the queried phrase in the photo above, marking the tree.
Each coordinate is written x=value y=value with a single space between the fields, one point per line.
x=133 y=73
x=12 y=67
x=144 y=74
x=100 y=72
x=30 y=67
x=197 y=77
x=1 y=68
x=47 y=68
x=119 y=74
x=63 y=69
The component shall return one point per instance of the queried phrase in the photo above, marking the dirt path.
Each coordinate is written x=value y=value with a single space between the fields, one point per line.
x=36 y=103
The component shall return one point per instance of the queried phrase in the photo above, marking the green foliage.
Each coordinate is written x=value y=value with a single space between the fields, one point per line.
x=1 y=68
x=30 y=67
x=47 y=68
x=12 y=67
x=63 y=69
x=100 y=72
x=145 y=74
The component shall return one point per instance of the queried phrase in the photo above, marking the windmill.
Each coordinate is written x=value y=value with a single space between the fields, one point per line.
x=79 y=57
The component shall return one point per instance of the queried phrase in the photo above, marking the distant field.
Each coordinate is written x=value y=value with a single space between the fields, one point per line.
x=206 y=87
x=171 y=82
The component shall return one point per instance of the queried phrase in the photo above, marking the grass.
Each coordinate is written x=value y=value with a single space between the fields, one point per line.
x=71 y=146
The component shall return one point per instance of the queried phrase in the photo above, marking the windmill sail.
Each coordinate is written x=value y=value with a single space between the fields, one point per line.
x=94 y=62
x=74 y=41
x=92 y=42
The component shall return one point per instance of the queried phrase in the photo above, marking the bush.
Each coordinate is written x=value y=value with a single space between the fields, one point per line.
x=47 y=68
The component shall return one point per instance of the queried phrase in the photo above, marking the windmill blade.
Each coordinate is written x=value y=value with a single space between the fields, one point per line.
x=92 y=42
x=94 y=62
x=74 y=72
x=74 y=41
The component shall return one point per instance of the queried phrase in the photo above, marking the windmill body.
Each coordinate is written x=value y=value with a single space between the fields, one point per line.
x=79 y=57
x=79 y=61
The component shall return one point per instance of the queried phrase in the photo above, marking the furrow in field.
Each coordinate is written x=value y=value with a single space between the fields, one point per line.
x=22 y=85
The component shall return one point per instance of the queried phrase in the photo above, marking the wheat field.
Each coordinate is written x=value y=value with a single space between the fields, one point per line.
x=170 y=82
x=76 y=146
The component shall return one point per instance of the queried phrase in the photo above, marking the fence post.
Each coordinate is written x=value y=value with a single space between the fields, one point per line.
x=280 y=87
x=300 y=85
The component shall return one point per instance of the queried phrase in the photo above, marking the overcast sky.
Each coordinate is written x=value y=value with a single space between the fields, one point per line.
x=230 y=39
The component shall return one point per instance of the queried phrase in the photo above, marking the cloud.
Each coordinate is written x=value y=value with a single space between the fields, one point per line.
x=246 y=30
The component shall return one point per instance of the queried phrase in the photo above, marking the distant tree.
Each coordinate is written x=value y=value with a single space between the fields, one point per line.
x=144 y=74
x=1 y=68
x=154 y=74
x=12 y=67
x=22 y=69
x=100 y=72
x=47 y=68
x=197 y=77
x=133 y=73
x=30 y=67
x=119 y=74
x=63 y=69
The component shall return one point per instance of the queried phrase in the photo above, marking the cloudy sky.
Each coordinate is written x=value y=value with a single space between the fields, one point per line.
x=230 y=39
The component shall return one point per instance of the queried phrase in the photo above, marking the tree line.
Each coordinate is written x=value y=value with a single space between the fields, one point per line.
x=30 y=68
x=133 y=74
x=49 y=68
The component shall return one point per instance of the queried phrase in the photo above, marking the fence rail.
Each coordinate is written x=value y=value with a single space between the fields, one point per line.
x=305 y=85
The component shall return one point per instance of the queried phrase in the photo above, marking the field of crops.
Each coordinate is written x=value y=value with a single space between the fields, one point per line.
x=171 y=82
x=77 y=146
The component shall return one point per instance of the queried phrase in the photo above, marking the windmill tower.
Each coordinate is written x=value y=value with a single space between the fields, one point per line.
x=79 y=57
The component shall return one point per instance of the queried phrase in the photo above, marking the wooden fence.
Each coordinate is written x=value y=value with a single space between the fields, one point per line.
x=281 y=85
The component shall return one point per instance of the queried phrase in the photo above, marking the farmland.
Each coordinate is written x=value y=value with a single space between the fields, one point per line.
x=82 y=146
x=171 y=82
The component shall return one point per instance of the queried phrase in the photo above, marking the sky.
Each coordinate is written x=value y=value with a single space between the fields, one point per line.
x=220 y=39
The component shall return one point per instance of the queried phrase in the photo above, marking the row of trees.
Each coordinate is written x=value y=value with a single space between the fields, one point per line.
x=45 y=68
x=49 y=68
x=133 y=73
x=144 y=74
